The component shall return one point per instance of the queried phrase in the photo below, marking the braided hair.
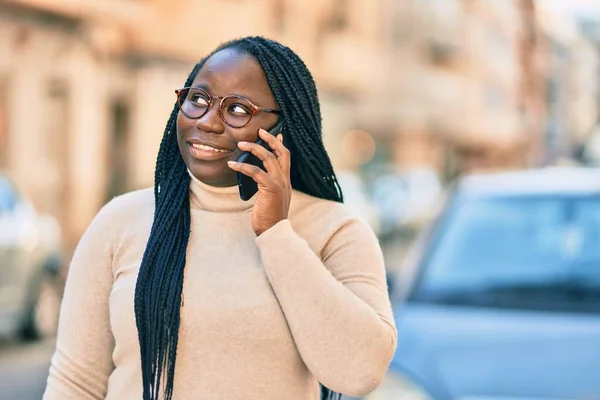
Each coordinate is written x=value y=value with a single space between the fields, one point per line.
x=160 y=280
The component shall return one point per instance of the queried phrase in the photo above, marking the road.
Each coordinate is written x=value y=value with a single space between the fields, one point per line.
x=24 y=369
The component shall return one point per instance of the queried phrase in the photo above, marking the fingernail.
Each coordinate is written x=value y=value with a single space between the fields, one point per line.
x=263 y=131
x=242 y=143
x=231 y=163
x=280 y=137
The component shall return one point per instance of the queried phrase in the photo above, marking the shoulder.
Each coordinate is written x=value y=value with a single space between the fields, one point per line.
x=325 y=217
x=303 y=204
x=117 y=215
x=332 y=228
x=131 y=203
x=126 y=208
x=129 y=214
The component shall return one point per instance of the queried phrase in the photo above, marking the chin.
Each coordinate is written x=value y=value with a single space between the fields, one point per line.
x=212 y=177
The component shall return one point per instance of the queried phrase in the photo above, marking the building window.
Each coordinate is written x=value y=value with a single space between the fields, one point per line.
x=279 y=15
x=118 y=148
x=56 y=143
x=339 y=20
x=443 y=54
x=3 y=123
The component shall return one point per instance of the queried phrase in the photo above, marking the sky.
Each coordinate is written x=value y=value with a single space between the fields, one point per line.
x=580 y=9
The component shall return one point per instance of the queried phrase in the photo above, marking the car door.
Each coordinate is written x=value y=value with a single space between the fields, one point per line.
x=16 y=242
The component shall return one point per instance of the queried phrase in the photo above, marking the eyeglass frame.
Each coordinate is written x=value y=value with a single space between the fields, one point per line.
x=254 y=107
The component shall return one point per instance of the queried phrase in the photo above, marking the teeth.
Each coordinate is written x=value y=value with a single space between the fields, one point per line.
x=204 y=147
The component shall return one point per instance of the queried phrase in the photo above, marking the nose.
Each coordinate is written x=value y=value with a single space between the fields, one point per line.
x=211 y=121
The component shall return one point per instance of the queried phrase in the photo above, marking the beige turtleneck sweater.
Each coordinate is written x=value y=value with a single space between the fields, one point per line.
x=264 y=318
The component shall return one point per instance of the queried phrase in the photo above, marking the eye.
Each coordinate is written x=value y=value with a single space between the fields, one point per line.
x=198 y=99
x=238 y=109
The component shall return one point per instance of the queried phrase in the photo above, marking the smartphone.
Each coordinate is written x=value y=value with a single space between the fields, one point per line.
x=248 y=186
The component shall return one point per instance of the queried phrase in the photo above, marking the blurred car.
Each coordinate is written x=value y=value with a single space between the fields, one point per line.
x=406 y=197
x=30 y=267
x=500 y=298
x=356 y=198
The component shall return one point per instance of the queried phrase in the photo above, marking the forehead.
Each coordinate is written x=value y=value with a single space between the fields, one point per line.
x=230 y=71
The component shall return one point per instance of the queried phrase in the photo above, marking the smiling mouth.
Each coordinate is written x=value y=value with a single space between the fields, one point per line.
x=204 y=147
x=204 y=152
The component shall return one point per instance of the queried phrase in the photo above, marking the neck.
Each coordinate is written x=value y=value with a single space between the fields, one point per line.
x=217 y=199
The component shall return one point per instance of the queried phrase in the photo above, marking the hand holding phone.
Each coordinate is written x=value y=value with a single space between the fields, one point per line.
x=270 y=184
x=248 y=186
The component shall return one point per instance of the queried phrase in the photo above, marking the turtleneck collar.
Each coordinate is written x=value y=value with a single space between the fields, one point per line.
x=217 y=199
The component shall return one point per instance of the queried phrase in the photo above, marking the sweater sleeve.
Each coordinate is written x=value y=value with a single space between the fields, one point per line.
x=82 y=361
x=337 y=308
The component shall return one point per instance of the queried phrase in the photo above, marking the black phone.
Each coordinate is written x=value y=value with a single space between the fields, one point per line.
x=248 y=186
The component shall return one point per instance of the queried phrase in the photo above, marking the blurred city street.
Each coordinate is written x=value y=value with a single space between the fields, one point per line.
x=466 y=134
x=24 y=369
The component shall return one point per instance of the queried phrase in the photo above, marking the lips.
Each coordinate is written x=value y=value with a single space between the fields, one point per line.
x=207 y=144
x=203 y=150
x=208 y=148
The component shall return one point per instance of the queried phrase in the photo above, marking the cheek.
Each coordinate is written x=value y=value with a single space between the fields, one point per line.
x=245 y=135
x=180 y=124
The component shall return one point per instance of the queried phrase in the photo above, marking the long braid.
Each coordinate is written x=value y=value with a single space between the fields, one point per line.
x=160 y=279
x=158 y=292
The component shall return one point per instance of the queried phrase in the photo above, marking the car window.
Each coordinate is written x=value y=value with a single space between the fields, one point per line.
x=515 y=242
x=8 y=196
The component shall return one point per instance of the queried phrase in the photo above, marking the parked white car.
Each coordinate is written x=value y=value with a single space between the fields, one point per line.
x=30 y=267
x=406 y=198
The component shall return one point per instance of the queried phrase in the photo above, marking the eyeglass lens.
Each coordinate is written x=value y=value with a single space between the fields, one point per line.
x=235 y=110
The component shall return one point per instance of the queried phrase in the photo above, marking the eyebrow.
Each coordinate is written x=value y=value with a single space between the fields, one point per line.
x=205 y=87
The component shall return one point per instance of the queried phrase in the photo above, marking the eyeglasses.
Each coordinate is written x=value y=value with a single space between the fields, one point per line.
x=236 y=111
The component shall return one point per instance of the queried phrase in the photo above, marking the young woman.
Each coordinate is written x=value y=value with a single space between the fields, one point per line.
x=188 y=292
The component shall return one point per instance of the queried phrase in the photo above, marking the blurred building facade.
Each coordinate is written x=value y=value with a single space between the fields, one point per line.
x=86 y=87
x=470 y=73
x=571 y=83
